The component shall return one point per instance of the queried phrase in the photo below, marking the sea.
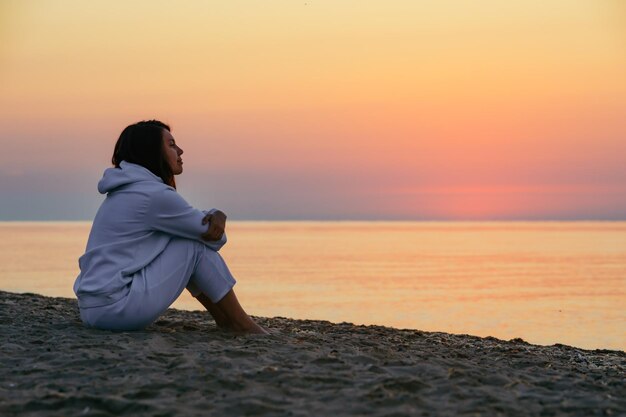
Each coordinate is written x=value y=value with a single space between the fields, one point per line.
x=544 y=282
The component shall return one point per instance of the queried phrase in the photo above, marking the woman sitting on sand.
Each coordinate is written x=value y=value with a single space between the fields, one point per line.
x=147 y=244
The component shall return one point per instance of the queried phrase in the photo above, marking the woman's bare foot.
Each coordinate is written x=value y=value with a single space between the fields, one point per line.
x=229 y=315
x=249 y=328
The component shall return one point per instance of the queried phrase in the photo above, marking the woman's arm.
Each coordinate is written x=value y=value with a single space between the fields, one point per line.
x=168 y=212
x=216 y=219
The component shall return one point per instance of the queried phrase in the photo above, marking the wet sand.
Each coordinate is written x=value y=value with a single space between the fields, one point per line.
x=50 y=364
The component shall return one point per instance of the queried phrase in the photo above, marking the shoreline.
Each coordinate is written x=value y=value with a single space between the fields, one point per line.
x=182 y=364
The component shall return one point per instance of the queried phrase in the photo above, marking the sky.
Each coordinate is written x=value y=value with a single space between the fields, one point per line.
x=323 y=110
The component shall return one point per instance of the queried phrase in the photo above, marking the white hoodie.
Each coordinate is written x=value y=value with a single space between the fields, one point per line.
x=134 y=224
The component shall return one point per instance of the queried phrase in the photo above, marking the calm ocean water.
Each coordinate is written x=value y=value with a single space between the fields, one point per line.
x=561 y=282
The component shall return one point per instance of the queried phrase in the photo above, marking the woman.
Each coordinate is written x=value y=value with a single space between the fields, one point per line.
x=147 y=244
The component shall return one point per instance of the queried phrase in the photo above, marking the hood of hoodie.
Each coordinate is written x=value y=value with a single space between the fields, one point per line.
x=126 y=174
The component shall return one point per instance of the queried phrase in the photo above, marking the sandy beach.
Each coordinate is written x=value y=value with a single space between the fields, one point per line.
x=183 y=365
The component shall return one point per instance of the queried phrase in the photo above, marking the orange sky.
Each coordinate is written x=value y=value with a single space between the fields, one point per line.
x=323 y=109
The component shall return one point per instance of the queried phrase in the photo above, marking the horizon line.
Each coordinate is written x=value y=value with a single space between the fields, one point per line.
x=587 y=220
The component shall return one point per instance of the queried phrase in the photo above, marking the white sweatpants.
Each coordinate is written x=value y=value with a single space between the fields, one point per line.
x=183 y=263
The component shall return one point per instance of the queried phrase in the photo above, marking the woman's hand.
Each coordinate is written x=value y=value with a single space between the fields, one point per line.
x=217 y=224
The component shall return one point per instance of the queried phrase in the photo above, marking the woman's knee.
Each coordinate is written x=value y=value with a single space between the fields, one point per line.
x=186 y=247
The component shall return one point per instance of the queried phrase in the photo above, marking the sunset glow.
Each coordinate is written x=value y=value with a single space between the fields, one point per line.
x=481 y=110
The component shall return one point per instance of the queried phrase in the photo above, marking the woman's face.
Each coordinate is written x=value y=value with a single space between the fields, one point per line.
x=172 y=153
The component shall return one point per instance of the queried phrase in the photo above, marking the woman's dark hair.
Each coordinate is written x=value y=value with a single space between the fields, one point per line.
x=142 y=144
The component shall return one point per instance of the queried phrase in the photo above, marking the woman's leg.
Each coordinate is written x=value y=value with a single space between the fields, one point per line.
x=220 y=318
x=153 y=289
x=211 y=283
x=183 y=263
